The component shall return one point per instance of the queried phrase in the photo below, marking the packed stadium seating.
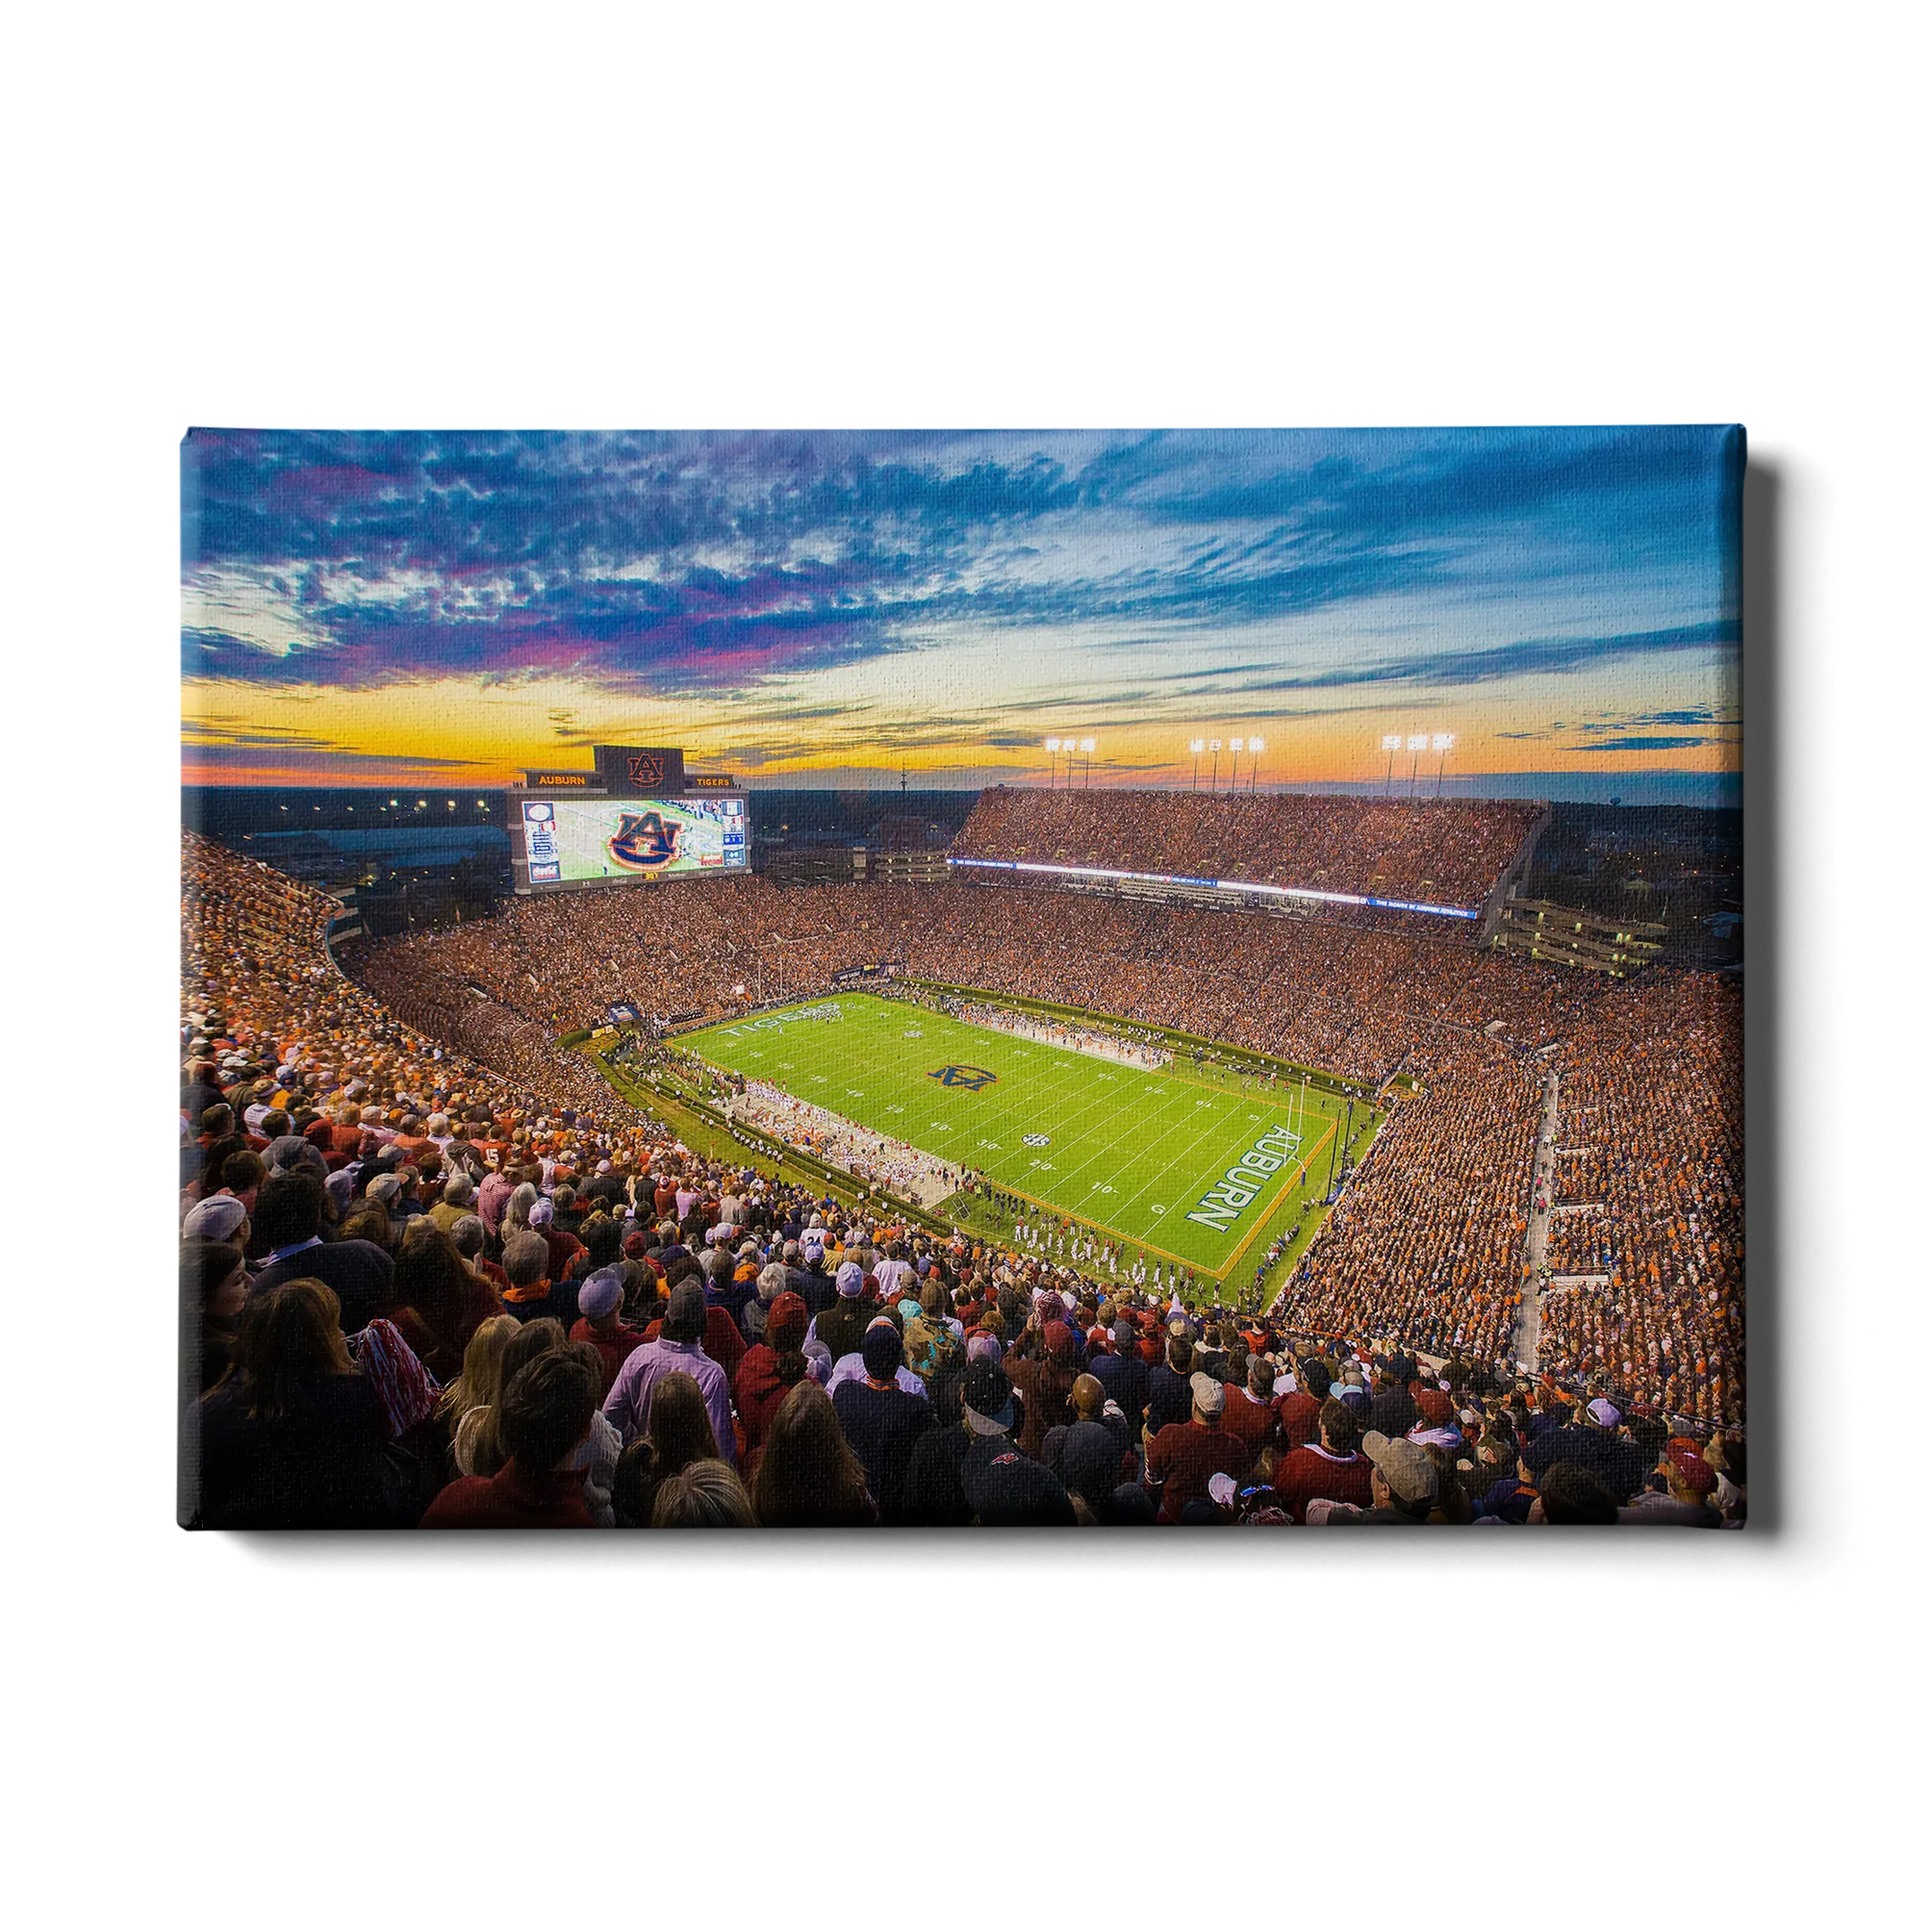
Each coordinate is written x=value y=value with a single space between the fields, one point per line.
x=428 y=1094
x=1446 y=852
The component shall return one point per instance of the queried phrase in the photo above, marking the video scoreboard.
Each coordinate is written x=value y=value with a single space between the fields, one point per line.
x=575 y=830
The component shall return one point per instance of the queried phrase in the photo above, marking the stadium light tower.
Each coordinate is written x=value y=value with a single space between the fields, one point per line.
x=1197 y=746
x=1392 y=743
x=1086 y=752
x=1214 y=770
x=1418 y=743
x=1440 y=745
x=1255 y=750
x=1053 y=762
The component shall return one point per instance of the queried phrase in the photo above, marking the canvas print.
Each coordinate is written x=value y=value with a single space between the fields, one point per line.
x=875 y=980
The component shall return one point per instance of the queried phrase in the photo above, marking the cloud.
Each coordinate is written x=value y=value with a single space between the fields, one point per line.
x=1649 y=744
x=282 y=755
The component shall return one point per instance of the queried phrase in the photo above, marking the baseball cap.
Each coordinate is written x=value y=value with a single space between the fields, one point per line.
x=1405 y=1467
x=1005 y=1489
x=1686 y=1461
x=1210 y=1396
x=1604 y=1414
x=215 y=1219
x=987 y=1398
x=601 y=1294
x=850 y=1280
x=542 y=1213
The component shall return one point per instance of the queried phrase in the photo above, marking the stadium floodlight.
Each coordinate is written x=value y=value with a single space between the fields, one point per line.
x=1256 y=744
x=1420 y=742
x=1086 y=745
x=1052 y=744
x=1197 y=746
x=1391 y=741
x=1442 y=741
x=1213 y=744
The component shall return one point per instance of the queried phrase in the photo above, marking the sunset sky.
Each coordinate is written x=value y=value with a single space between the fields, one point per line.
x=819 y=608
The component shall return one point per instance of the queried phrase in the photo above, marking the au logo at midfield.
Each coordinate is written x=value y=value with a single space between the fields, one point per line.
x=972 y=1079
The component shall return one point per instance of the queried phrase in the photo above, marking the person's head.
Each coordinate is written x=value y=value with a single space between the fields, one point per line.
x=288 y=1208
x=218 y=1120
x=288 y=1338
x=431 y=1276
x=1340 y=1431
x=808 y=1473
x=1690 y=1478
x=243 y=1170
x=706 y=1495
x=882 y=1350
x=481 y=1381
x=1181 y=1355
x=213 y=1280
x=679 y=1427
x=469 y=1235
x=222 y=1218
x=1210 y=1399
x=547 y=1407
x=526 y=1260
x=516 y=1208
x=1403 y=1478
x=600 y=1298
x=684 y=1318
x=459 y=1190
x=1570 y=1493
x=1261 y=1379
x=1088 y=1397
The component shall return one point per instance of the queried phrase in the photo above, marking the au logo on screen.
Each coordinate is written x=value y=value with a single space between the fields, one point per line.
x=971 y=1079
x=643 y=842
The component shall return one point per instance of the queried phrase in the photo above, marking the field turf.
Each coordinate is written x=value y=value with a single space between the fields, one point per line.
x=1132 y=1152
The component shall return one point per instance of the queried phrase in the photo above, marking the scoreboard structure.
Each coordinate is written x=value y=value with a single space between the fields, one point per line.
x=636 y=815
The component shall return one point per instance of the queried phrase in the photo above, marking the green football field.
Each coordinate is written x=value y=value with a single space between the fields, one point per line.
x=1184 y=1168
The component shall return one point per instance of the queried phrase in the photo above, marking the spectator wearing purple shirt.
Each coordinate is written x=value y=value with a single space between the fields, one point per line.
x=679 y=1348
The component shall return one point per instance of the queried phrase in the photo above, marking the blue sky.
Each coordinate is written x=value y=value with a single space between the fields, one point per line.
x=807 y=607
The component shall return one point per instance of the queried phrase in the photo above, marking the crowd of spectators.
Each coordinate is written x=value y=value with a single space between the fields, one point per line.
x=1427 y=1240
x=1650 y=1136
x=1423 y=1252
x=1439 y=850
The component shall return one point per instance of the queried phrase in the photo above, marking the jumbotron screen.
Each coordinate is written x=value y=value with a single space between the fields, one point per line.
x=580 y=841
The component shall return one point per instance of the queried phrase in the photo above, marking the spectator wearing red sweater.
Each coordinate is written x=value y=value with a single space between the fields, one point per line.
x=1298 y=1410
x=546 y=1411
x=770 y=1371
x=1331 y=1469
x=601 y=1323
x=1185 y=1456
x=1250 y=1412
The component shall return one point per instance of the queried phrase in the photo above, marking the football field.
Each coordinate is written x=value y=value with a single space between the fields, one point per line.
x=1186 y=1168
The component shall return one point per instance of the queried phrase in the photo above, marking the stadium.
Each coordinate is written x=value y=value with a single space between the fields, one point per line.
x=1118 y=1087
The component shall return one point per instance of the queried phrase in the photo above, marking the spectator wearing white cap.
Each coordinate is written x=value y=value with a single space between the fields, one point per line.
x=1184 y=1456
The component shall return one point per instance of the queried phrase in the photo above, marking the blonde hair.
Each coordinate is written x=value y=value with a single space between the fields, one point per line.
x=481 y=1380
x=706 y=1495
